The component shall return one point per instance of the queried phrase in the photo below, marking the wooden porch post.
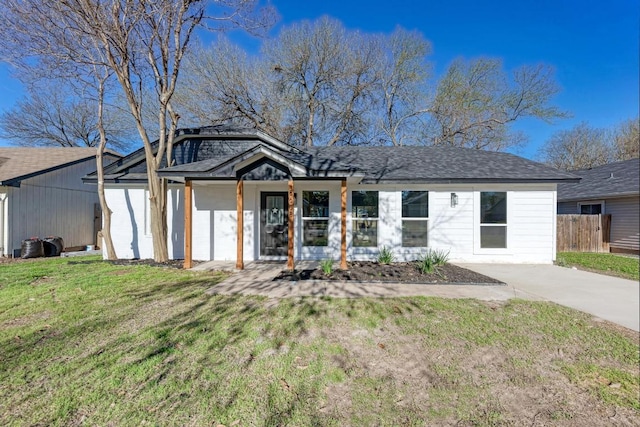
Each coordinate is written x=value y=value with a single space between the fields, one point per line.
x=188 y=225
x=343 y=225
x=290 y=231
x=240 y=220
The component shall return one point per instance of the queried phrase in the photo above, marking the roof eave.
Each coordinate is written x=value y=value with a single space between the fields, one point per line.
x=368 y=180
x=599 y=196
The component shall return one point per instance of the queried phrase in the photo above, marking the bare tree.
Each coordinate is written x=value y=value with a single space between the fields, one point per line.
x=626 y=140
x=222 y=84
x=325 y=77
x=318 y=84
x=53 y=115
x=581 y=147
x=142 y=43
x=476 y=101
x=403 y=86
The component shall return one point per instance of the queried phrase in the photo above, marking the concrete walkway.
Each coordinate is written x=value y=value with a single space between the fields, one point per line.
x=606 y=297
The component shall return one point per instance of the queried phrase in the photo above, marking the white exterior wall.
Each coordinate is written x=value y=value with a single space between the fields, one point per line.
x=130 y=221
x=531 y=222
x=4 y=221
x=56 y=203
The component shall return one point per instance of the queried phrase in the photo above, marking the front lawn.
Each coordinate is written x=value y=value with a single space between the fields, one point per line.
x=607 y=263
x=83 y=341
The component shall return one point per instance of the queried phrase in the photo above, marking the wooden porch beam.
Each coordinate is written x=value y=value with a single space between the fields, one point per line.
x=343 y=224
x=188 y=224
x=240 y=221
x=291 y=199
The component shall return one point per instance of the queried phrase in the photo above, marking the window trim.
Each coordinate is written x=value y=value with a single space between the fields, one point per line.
x=315 y=218
x=593 y=202
x=356 y=218
x=403 y=218
x=477 y=198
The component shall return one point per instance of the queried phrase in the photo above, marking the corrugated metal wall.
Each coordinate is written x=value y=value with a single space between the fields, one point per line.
x=54 y=204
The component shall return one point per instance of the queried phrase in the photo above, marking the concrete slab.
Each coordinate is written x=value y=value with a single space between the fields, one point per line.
x=81 y=253
x=606 y=297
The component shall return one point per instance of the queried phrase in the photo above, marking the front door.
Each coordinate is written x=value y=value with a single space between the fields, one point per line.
x=274 y=220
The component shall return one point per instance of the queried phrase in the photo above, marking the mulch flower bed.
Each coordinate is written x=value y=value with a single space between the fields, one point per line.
x=398 y=272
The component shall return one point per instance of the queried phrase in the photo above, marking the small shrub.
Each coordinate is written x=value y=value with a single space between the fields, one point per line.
x=385 y=256
x=439 y=256
x=433 y=258
x=425 y=264
x=327 y=266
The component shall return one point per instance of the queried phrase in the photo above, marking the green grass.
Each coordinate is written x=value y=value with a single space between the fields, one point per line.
x=617 y=265
x=86 y=342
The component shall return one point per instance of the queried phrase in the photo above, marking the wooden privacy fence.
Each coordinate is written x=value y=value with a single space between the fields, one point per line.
x=583 y=233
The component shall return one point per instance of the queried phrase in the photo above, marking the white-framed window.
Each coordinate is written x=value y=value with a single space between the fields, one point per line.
x=364 y=212
x=591 y=208
x=415 y=218
x=315 y=218
x=493 y=220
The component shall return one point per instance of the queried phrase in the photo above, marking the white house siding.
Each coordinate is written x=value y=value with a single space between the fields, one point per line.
x=4 y=222
x=56 y=203
x=530 y=228
x=130 y=221
x=531 y=217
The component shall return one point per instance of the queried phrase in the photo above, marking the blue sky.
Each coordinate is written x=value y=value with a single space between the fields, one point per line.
x=593 y=45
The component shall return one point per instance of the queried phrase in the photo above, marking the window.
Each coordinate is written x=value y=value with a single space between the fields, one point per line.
x=415 y=215
x=591 y=208
x=493 y=219
x=315 y=218
x=365 y=218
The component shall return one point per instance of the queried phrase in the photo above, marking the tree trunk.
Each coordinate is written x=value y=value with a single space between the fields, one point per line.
x=158 y=211
x=106 y=212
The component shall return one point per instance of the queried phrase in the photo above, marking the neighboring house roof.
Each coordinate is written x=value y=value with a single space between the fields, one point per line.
x=20 y=163
x=384 y=164
x=619 y=179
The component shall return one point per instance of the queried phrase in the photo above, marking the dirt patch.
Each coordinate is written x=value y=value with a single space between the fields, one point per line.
x=399 y=272
x=487 y=385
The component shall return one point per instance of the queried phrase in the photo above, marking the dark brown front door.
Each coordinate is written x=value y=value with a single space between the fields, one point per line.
x=274 y=221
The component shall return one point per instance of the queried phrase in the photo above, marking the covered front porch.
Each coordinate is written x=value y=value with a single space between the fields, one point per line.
x=267 y=205
x=272 y=221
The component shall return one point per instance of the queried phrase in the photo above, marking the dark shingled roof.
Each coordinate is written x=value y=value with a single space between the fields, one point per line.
x=439 y=164
x=406 y=164
x=607 y=181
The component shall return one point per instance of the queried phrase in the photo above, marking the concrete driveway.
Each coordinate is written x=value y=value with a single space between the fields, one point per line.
x=606 y=297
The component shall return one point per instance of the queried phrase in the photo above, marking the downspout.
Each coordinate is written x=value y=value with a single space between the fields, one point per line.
x=3 y=227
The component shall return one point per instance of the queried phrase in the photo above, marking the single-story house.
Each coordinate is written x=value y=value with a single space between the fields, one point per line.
x=612 y=189
x=242 y=195
x=42 y=194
